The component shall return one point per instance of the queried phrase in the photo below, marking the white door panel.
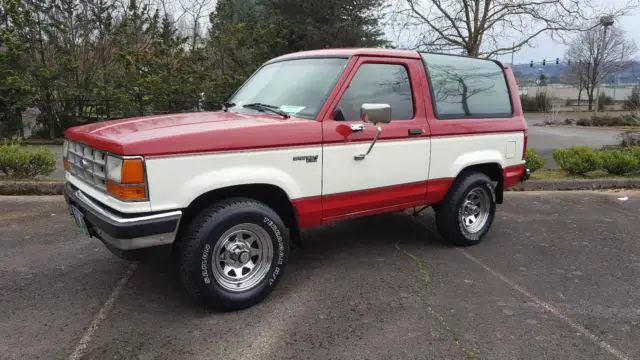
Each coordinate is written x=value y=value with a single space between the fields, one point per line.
x=389 y=163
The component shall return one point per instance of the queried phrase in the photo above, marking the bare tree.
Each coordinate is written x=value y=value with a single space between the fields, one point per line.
x=594 y=57
x=197 y=9
x=577 y=76
x=487 y=28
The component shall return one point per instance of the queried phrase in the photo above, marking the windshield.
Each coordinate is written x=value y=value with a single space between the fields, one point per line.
x=297 y=87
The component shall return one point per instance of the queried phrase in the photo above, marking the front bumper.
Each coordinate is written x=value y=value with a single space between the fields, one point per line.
x=124 y=232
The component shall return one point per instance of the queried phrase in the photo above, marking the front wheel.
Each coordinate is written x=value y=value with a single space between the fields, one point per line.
x=233 y=254
x=466 y=214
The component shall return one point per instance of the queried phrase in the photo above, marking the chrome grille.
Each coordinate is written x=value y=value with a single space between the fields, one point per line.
x=87 y=164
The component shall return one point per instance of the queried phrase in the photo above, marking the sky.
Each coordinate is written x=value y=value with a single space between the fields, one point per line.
x=546 y=48
x=543 y=46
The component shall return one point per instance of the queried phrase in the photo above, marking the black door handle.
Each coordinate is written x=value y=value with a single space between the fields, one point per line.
x=415 y=132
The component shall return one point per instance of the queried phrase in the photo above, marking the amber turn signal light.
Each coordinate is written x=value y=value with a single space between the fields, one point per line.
x=132 y=171
x=127 y=192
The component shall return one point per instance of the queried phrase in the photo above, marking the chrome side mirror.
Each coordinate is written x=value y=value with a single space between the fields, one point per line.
x=375 y=114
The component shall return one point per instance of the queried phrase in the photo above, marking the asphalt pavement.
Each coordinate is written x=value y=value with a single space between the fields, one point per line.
x=557 y=278
x=546 y=138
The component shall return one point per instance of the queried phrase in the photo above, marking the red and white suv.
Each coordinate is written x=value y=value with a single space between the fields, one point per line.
x=310 y=138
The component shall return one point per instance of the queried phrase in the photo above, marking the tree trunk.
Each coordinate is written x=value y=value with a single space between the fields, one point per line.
x=465 y=101
x=579 y=95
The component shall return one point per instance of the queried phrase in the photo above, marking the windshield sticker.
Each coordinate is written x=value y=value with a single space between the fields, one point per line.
x=291 y=109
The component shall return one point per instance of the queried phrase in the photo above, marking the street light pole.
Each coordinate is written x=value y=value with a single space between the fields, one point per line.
x=512 y=51
x=605 y=21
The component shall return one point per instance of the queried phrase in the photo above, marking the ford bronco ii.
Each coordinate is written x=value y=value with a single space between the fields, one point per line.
x=310 y=138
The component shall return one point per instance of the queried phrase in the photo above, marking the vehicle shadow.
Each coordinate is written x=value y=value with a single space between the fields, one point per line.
x=375 y=235
x=374 y=231
x=342 y=288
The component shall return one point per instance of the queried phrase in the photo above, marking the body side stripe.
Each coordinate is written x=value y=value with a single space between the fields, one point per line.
x=319 y=145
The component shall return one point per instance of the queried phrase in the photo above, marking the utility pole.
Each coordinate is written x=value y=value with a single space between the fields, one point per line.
x=605 y=21
x=512 y=51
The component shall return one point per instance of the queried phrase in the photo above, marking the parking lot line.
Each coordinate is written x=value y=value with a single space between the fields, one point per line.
x=555 y=311
x=102 y=314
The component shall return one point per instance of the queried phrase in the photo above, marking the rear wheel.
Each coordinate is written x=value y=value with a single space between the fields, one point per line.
x=466 y=214
x=233 y=254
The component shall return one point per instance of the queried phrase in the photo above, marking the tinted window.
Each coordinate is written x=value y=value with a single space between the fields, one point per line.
x=467 y=87
x=378 y=83
x=298 y=87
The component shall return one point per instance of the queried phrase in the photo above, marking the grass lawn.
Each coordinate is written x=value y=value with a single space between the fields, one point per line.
x=559 y=174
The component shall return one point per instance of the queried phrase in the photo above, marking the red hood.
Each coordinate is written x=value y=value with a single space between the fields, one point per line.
x=195 y=132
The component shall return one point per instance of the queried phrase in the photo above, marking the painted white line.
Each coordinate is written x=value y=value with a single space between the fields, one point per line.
x=555 y=311
x=102 y=314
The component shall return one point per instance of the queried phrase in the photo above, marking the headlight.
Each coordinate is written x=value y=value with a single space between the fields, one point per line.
x=114 y=169
x=65 y=148
x=126 y=178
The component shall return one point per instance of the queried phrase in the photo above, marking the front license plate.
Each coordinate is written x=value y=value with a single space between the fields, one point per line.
x=78 y=218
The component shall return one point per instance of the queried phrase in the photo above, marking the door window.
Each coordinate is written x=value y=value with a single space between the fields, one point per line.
x=378 y=83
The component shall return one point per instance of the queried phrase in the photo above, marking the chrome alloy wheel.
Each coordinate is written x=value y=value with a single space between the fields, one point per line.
x=242 y=257
x=474 y=212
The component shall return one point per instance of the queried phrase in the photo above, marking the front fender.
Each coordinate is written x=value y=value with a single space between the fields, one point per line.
x=241 y=175
x=174 y=182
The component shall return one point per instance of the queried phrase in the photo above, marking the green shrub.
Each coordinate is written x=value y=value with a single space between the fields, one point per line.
x=577 y=160
x=629 y=138
x=584 y=122
x=604 y=120
x=604 y=101
x=18 y=162
x=633 y=100
x=635 y=151
x=540 y=102
x=618 y=162
x=533 y=161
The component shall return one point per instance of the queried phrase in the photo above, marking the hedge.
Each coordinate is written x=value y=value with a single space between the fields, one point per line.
x=579 y=160
x=18 y=162
x=533 y=161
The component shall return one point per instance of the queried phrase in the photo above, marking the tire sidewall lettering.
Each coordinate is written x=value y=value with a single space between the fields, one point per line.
x=279 y=240
x=279 y=249
x=204 y=264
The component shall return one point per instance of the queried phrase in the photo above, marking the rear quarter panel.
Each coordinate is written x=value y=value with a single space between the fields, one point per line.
x=460 y=143
x=452 y=154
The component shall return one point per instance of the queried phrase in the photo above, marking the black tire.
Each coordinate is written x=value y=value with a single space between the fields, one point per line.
x=450 y=225
x=197 y=246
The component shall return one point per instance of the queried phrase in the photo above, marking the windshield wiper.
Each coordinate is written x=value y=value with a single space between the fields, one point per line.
x=267 y=107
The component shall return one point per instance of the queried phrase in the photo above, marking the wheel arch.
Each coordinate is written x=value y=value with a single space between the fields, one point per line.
x=493 y=170
x=271 y=195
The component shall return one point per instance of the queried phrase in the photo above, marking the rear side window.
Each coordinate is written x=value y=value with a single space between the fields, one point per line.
x=463 y=87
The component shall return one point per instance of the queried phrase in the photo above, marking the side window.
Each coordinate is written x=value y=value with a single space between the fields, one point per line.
x=465 y=87
x=378 y=83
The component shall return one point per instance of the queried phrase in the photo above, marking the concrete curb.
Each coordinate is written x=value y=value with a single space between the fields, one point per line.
x=577 y=184
x=31 y=187
x=56 y=187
